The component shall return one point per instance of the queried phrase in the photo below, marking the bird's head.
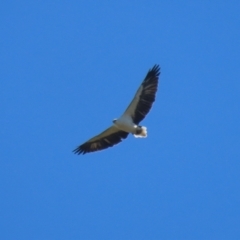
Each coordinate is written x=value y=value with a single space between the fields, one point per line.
x=114 y=120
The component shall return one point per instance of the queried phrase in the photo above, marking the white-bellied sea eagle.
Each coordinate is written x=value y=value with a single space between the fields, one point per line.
x=129 y=121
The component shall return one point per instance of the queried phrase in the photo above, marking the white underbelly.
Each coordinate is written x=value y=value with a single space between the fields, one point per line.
x=126 y=124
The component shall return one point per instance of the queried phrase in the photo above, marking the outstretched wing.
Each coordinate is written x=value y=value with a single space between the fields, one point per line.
x=145 y=96
x=108 y=138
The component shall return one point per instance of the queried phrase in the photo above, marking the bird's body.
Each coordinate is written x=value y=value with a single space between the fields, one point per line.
x=125 y=123
x=129 y=120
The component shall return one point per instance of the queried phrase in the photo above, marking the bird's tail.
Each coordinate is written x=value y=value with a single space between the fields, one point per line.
x=141 y=132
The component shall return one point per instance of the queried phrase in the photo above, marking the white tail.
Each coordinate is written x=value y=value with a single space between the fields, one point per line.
x=143 y=133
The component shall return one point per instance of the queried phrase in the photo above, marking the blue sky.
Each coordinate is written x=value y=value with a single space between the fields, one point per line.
x=68 y=68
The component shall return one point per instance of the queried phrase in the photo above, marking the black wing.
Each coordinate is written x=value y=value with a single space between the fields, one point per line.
x=145 y=96
x=108 y=138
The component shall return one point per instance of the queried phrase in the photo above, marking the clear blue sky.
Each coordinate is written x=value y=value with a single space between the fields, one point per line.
x=67 y=68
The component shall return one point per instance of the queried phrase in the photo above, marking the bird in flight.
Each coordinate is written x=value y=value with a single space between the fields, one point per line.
x=130 y=119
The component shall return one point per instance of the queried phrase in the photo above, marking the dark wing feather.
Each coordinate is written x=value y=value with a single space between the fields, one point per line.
x=145 y=96
x=108 y=138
